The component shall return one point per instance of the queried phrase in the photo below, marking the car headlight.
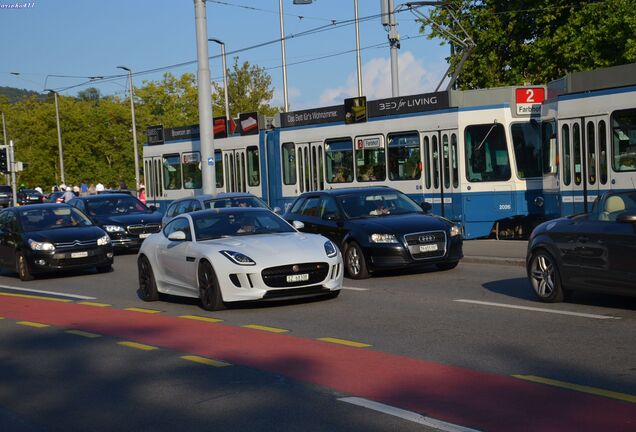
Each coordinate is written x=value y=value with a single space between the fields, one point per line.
x=238 y=258
x=114 y=228
x=383 y=238
x=103 y=240
x=41 y=246
x=455 y=231
x=330 y=249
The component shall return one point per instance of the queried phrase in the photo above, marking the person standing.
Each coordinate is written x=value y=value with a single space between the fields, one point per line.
x=99 y=187
x=68 y=194
x=91 y=189
x=142 y=194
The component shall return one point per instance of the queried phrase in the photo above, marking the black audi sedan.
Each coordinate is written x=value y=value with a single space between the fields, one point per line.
x=595 y=251
x=126 y=219
x=378 y=228
x=43 y=238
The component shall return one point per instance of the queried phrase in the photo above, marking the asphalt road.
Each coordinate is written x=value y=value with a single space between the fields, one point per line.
x=478 y=321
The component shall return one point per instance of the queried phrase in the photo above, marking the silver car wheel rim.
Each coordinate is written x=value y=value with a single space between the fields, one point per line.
x=354 y=261
x=543 y=276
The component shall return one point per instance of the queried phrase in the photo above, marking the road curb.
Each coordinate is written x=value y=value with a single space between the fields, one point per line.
x=519 y=262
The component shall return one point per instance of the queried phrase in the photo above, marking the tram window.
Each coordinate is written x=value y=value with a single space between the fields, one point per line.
x=454 y=160
x=289 y=163
x=527 y=146
x=253 y=168
x=405 y=160
x=435 y=163
x=446 y=156
x=486 y=153
x=591 y=153
x=370 y=162
x=427 y=158
x=241 y=171
x=624 y=140
x=218 y=168
x=602 y=150
x=576 y=152
x=565 y=137
x=549 y=147
x=191 y=170
x=339 y=160
x=171 y=172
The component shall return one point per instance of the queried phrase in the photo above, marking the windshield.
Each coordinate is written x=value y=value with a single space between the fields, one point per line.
x=115 y=205
x=235 y=202
x=212 y=225
x=53 y=217
x=374 y=204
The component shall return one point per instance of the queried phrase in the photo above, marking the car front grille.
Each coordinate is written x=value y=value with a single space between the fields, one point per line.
x=143 y=229
x=426 y=245
x=276 y=277
x=76 y=243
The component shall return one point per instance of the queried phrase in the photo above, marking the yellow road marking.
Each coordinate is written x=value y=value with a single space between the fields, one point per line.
x=83 y=333
x=344 y=342
x=205 y=361
x=137 y=345
x=35 y=297
x=200 y=318
x=32 y=324
x=265 y=328
x=87 y=303
x=142 y=310
x=585 y=389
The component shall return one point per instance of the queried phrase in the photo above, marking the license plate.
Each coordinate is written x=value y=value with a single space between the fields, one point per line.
x=144 y=235
x=79 y=254
x=298 y=277
x=428 y=248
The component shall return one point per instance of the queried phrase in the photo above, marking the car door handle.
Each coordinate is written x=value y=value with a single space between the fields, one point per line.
x=190 y=259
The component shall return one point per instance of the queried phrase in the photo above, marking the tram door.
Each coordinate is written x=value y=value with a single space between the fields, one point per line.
x=234 y=170
x=310 y=165
x=432 y=168
x=584 y=162
x=450 y=174
x=152 y=176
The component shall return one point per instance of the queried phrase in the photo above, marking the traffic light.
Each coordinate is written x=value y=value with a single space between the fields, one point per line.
x=4 y=159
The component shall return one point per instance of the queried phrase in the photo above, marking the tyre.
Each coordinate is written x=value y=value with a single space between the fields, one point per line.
x=447 y=265
x=147 y=283
x=355 y=263
x=543 y=273
x=105 y=268
x=22 y=267
x=209 y=290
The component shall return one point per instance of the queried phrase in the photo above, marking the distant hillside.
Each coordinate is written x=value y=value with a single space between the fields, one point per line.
x=16 y=94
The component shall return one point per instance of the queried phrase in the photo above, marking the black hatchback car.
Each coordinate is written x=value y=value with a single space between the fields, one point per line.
x=43 y=238
x=126 y=219
x=595 y=251
x=378 y=228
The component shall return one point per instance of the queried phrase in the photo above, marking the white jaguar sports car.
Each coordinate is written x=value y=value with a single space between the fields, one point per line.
x=237 y=254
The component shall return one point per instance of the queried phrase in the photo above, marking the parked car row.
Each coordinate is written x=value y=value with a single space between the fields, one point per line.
x=23 y=196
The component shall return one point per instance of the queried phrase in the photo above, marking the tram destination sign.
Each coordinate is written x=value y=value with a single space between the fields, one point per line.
x=408 y=104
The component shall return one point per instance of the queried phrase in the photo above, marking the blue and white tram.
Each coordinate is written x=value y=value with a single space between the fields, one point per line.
x=474 y=155
x=589 y=138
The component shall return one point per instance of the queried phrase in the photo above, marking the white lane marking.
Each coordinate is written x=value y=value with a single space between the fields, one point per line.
x=355 y=289
x=407 y=415
x=47 y=292
x=535 y=309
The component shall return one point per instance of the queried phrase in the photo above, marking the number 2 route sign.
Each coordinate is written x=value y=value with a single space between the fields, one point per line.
x=529 y=99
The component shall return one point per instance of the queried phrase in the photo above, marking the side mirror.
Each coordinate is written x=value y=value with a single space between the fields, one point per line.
x=177 y=236
x=426 y=206
x=298 y=225
x=331 y=216
x=152 y=208
x=277 y=210
x=628 y=217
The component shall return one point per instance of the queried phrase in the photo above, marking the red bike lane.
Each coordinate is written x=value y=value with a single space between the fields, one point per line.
x=469 y=398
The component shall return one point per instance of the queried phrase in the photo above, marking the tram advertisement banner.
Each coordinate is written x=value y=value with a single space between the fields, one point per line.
x=307 y=117
x=408 y=104
x=248 y=123
x=219 y=126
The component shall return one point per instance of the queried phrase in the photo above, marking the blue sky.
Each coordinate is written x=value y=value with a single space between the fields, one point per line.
x=84 y=38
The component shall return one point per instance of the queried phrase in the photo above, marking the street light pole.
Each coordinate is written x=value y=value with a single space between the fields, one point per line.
x=134 y=126
x=282 y=49
x=225 y=88
x=355 y=6
x=59 y=136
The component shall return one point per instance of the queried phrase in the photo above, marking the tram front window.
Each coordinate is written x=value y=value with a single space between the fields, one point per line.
x=486 y=153
x=527 y=144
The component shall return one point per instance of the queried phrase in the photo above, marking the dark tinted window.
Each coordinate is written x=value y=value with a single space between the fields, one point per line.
x=212 y=225
x=486 y=153
x=527 y=145
x=311 y=207
x=109 y=205
x=38 y=219
x=178 y=224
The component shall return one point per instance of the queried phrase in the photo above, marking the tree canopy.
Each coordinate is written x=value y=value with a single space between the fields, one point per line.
x=96 y=129
x=537 y=41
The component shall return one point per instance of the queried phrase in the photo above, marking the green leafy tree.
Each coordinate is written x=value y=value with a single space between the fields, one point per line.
x=539 y=40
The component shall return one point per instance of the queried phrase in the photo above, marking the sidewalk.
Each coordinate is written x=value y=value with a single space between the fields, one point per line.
x=508 y=252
